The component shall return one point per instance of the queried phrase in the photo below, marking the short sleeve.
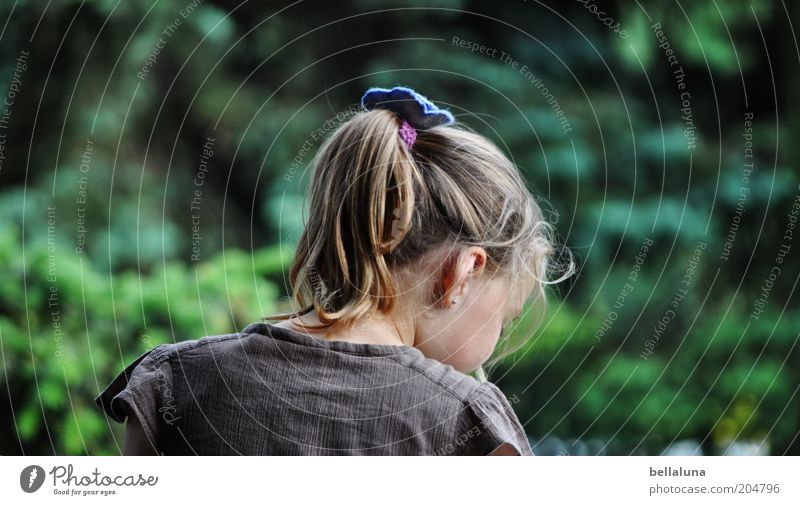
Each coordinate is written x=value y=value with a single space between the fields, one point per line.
x=139 y=390
x=491 y=422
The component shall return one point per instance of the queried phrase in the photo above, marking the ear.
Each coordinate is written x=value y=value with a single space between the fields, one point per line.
x=468 y=265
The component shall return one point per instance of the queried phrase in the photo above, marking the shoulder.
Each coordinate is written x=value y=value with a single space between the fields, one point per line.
x=432 y=374
x=494 y=423
x=486 y=419
x=143 y=380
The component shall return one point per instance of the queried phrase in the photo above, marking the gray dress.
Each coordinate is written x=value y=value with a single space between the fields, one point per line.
x=269 y=390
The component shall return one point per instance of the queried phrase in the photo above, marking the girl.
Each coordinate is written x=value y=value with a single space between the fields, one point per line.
x=422 y=242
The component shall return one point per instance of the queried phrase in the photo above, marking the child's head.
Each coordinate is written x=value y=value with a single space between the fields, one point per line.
x=444 y=233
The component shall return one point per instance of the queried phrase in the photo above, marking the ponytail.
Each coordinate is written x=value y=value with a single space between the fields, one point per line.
x=362 y=201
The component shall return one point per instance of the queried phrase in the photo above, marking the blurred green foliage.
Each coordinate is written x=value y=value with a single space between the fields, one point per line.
x=259 y=82
x=64 y=339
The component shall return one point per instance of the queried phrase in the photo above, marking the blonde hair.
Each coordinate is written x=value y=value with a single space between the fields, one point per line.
x=378 y=210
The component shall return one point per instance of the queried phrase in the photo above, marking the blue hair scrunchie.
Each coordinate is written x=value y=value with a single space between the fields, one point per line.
x=417 y=110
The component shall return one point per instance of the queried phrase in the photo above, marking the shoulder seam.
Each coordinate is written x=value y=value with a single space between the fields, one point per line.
x=489 y=392
x=169 y=350
x=464 y=401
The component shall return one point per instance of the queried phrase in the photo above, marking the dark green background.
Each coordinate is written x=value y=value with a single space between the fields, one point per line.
x=261 y=77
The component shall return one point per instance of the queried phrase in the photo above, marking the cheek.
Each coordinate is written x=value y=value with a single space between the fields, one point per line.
x=472 y=340
x=473 y=353
x=465 y=339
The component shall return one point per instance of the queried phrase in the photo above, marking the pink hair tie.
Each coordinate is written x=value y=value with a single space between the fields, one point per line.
x=408 y=133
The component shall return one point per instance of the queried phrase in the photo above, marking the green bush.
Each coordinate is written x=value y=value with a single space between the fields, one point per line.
x=66 y=332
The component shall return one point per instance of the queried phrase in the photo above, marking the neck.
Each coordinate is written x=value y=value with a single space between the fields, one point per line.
x=378 y=330
x=394 y=329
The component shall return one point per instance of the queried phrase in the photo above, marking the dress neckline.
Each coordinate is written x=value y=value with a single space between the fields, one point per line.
x=297 y=337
